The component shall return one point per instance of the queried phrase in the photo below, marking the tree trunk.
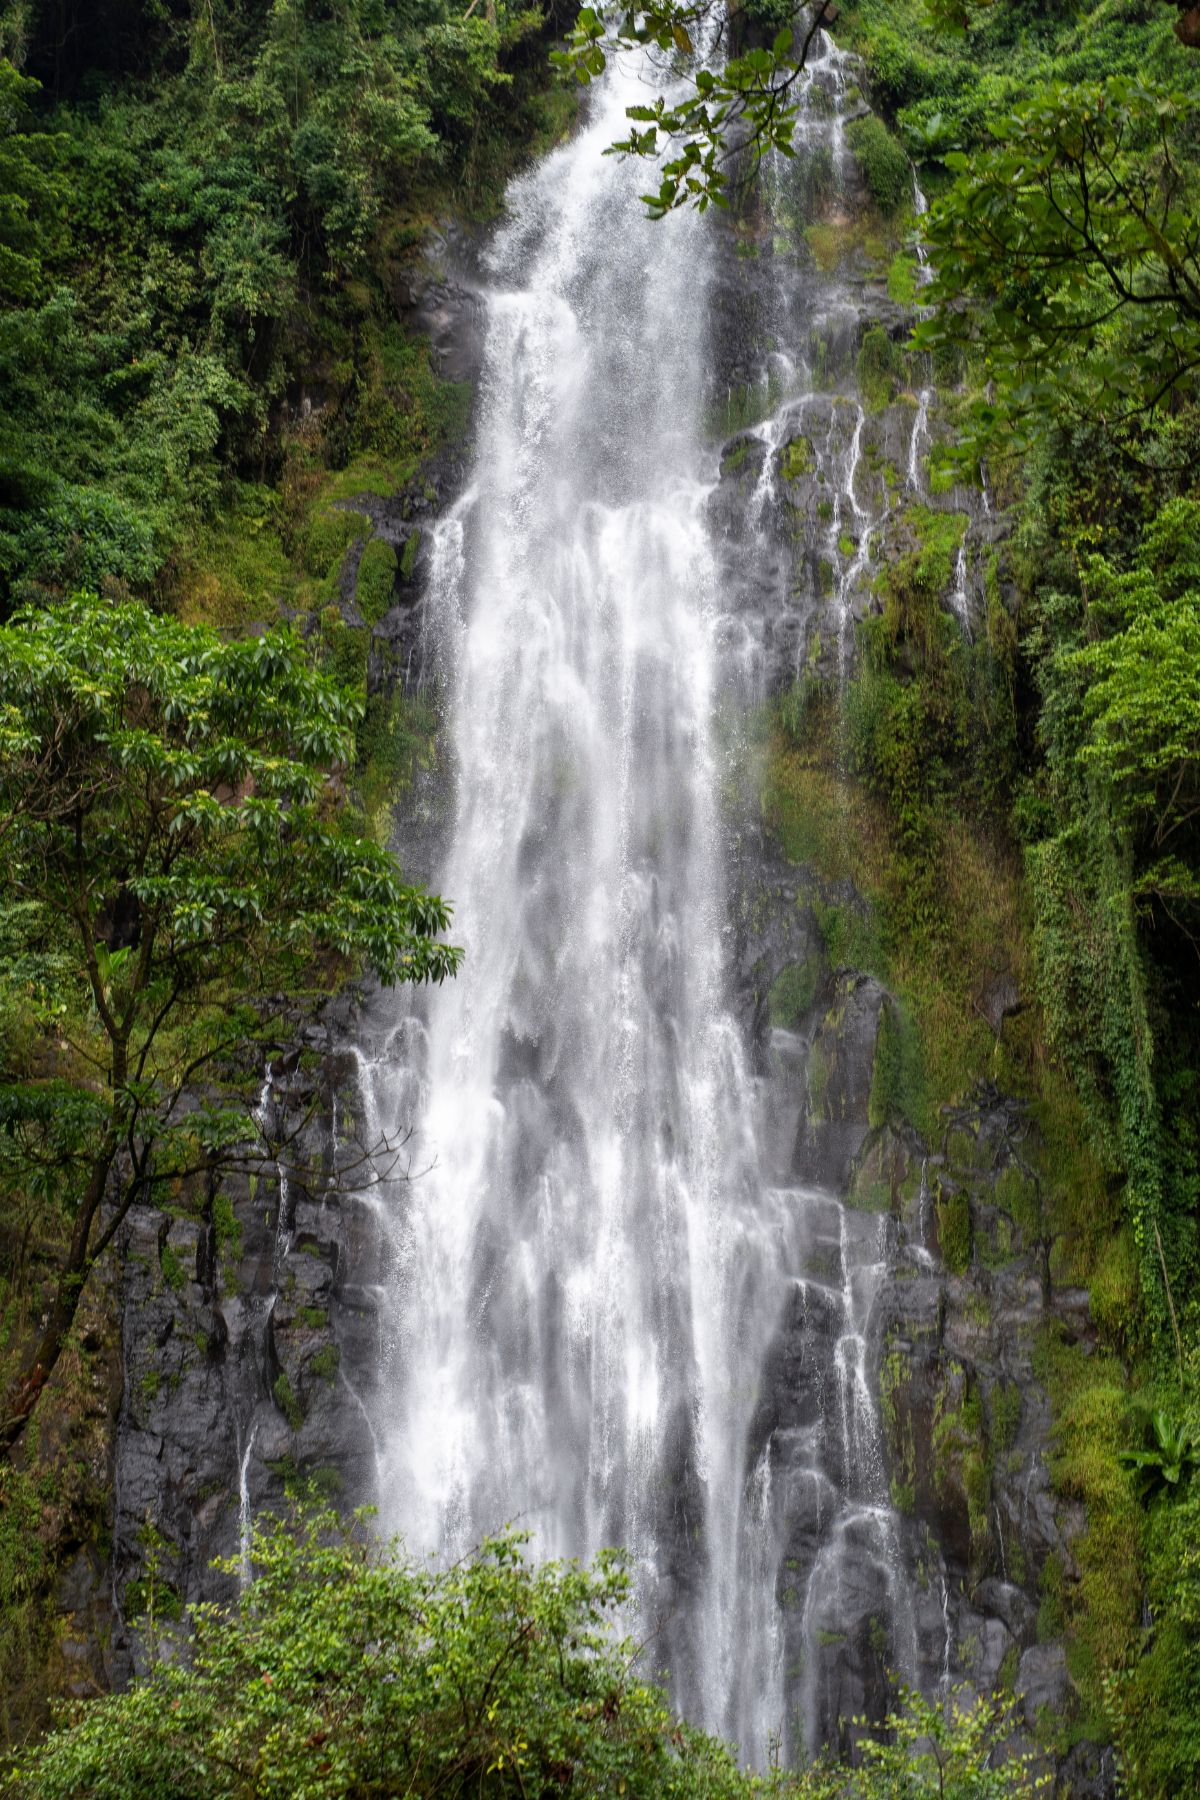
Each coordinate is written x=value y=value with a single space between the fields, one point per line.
x=27 y=1387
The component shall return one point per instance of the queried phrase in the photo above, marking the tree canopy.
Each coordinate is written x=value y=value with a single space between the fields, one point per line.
x=1067 y=254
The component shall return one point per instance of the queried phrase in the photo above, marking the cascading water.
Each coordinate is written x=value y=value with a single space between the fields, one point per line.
x=596 y=1268
x=584 y=1276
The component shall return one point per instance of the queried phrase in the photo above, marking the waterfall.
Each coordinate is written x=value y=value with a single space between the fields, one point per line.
x=594 y=1270
x=586 y=1275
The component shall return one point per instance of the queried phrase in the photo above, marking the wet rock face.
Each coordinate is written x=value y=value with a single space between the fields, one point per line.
x=936 y=1563
x=238 y=1328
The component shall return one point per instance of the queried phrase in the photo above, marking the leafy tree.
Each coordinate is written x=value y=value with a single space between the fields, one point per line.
x=948 y=1748
x=1074 y=235
x=169 y=797
x=350 y=1669
x=28 y=190
x=1141 y=673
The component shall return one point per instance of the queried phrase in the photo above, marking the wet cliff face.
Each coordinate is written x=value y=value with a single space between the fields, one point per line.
x=894 y=1462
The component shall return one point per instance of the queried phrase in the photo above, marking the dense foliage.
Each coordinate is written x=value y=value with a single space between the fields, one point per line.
x=349 y=1669
x=235 y=222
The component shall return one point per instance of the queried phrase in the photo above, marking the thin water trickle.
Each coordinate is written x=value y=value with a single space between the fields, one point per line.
x=919 y=438
x=960 y=599
x=245 y=1521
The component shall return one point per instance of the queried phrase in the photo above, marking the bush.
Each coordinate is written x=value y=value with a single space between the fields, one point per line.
x=883 y=162
x=351 y=1669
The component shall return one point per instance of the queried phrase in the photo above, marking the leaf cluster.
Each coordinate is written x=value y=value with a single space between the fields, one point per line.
x=709 y=110
x=1067 y=255
x=170 y=797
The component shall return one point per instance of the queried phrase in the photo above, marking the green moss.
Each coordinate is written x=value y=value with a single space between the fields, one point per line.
x=329 y=535
x=285 y=1399
x=1017 y=1195
x=880 y=366
x=233 y=570
x=1114 y=1289
x=793 y=992
x=897 y=1075
x=902 y=279
x=315 y=1317
x=326 y=1362
x=960 y=1148
x=408 y=554
x=994 y=1242
x=796 y=708
x=743 y=406
x=960 y=1455
x=1091 y=1427
x=1052 y=1612
x=851 y=936
x=833 y=242
x=1004 y=1406
x=347 y=648
x=895 y=1374
x=798 y=458
x=953 y=1212
x=375 y=580
x=884 y=162
x=173 y=1271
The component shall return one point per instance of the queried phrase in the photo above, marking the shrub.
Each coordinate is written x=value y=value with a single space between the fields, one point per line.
x=883 y=162
x=355 y=1670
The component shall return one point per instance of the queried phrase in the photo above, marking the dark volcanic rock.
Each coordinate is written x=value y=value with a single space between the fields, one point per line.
x=236 y=1328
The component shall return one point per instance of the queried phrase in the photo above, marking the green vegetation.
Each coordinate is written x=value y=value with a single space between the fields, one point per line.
x=285 y=1399
x=165 y=803
x=884 y=162
x=239 y=212
x=351 y=1669
x=206 y=217
x=880 y=366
